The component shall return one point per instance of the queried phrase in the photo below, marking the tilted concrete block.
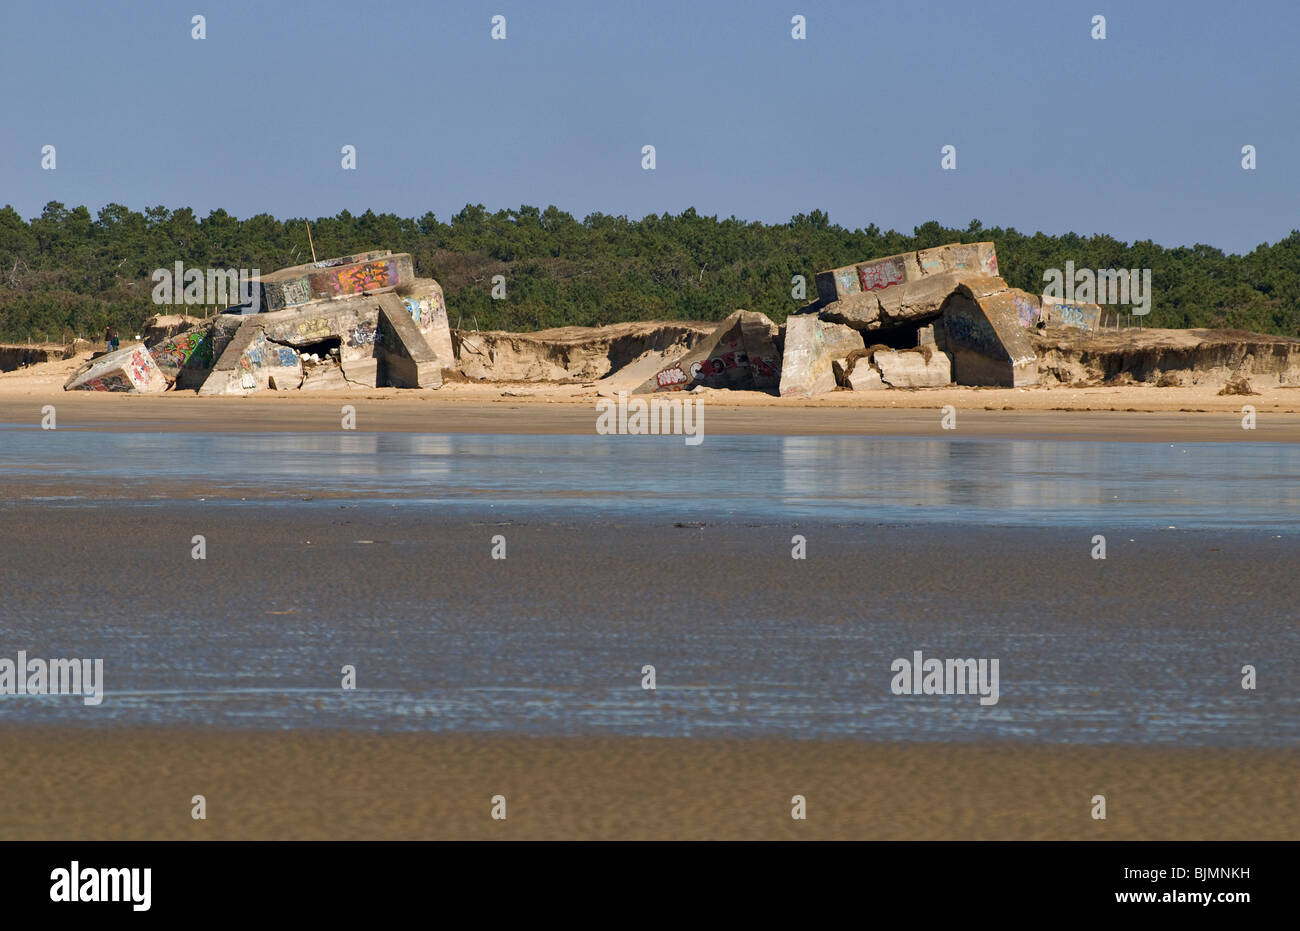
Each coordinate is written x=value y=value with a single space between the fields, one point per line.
x=740 y=353
x=811 y=348
x=348 y=276
x=192 y=349
x=427 y=307
x=130 y=368
x=251 y=362
x=913 y=303
x=864 y=378
x=984 y=336
x=408 y=360
x=877 y=276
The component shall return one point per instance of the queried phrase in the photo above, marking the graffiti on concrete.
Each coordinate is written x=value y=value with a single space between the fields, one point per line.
x=766 y=367
x=1026 y=312
x=139 y=367
x=108 y=383
x=424 y=310
x=671 y=379
x=368 y=277
x=287 y=356
x=314 y=329
x=975 y=332
x=880 y=275
x=193 y=348
x=364 y=334
x=718 y=364
x=296 y=292
x=847 y=281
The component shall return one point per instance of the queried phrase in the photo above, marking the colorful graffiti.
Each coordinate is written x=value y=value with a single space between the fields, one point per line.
x=718 y=364
x=1080 y=317
x=846 y=280
x=425 y=310
x=296 y=292
x=139 y=367
x=880 y=275
x=671 y=379
x=107 y=383
x=368 y=277
x=194 y=348
x=287 y=356
x=1026 y=312
x=767 y=367
x=991 y=264
x=314 y=329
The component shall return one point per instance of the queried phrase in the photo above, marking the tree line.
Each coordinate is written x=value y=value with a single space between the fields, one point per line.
x=68 y=273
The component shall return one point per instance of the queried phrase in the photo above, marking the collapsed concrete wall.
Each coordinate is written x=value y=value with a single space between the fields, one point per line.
x=428 y=309
x=162 y=326
x=878 y=275
x=173 y=353
x=812 y=346
x=251 y=363
x=349 y=275
x=742 y=352
x=130 y=368
x=982 y=332
x=903 y=289
x=1061 y=313
x=408 y=361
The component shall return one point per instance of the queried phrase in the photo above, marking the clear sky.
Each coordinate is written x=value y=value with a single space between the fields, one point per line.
x=1138 y=135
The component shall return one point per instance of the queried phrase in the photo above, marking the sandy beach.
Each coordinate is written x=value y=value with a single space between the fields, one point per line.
x=84 y=785
x=320 y=570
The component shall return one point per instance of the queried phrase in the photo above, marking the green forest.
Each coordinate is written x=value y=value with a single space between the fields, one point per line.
x=67 y=273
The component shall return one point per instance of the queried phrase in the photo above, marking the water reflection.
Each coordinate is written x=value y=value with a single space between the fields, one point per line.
x=954 y=479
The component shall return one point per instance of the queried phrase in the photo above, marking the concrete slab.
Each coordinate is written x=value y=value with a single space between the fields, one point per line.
x=740 y=353
x=879 y=275
x=427 y=307
x=365 y=273
x=130 y=368
x=811 y=348
x=913 y=368
x=984 y=336
x=173 y=353
x=408 y=362
x=913 y=303
x=1080 y=316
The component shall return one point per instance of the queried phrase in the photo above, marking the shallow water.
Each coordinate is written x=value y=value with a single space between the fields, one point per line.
x=957 y=480
x=962 y=547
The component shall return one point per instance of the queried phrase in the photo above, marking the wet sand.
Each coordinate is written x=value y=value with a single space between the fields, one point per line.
x=475 y=409
x=87 y=785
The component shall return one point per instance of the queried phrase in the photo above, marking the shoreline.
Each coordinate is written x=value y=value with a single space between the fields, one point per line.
x=980 y=412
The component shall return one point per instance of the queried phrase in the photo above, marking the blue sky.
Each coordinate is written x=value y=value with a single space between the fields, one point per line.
x=1138 y=136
